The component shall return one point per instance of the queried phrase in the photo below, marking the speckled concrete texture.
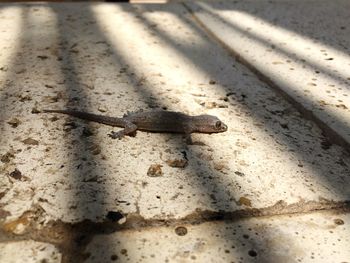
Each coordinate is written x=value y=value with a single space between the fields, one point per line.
x=65 y=182
x=28 y=251
x=281 y=239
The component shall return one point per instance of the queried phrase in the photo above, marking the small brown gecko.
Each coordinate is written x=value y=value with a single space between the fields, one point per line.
x=153 y=121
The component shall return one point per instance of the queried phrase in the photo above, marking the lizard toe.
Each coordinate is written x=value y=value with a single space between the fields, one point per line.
x=116 y=135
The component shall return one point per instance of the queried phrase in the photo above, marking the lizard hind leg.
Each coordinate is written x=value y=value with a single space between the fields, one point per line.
x=129 y=129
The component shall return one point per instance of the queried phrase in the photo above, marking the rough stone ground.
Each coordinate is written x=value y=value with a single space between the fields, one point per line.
x=69 y=192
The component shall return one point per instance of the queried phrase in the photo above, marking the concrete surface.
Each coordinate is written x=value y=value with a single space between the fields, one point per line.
x=296 y=46
x=279 y=239
x=66 y=183
x=28 y=251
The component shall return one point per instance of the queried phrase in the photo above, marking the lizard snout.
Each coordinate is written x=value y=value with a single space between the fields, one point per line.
x=219 y=126
x=224 y=127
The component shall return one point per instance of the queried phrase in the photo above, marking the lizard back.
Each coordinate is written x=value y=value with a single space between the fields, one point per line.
x=160 y=121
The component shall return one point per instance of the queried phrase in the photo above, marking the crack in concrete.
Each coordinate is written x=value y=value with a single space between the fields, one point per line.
x=71 y=239
x=137 y=185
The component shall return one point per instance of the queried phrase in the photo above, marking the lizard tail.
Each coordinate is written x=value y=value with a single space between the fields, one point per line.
x=112 y=121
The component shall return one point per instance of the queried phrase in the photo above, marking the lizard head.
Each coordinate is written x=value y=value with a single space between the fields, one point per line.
x=210 y=124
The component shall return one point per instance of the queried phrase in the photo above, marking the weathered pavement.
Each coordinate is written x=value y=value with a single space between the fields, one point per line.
x=273 y=188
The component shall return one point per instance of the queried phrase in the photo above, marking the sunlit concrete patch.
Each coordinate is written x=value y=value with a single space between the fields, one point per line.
x=87 y=57
x=301 y=46
x=29 y=251
x=9 y=33
x=304 y=238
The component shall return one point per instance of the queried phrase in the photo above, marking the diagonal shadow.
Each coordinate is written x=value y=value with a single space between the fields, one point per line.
x=303 y=150
x=74 y=89
x=80 y=143
x=147 y=92
x=306 y=18
x=13 y=70
x=209 y=179
x=10 y=89
x=20 y=92
x=337 y=122
x=290 y=20
x=337 y=77
x=272 y=128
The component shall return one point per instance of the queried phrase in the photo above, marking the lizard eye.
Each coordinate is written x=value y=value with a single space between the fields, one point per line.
x=218 y=124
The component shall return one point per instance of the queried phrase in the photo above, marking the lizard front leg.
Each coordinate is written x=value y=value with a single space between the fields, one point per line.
x=129 y=129
x=188 y=138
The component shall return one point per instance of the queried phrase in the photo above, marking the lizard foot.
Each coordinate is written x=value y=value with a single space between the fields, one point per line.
x=116 y=135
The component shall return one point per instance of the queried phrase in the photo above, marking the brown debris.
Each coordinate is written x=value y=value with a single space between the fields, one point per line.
x=14 y=122
x=178 y=163
x=155 y=170
x=245 y=201
x=30 y=141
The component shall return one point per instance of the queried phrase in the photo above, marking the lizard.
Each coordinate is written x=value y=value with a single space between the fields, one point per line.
x=153 y=121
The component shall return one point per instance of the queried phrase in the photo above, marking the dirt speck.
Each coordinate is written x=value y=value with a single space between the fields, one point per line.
x=6 y=158
x=14 y=122
x=102 y=109
x=114 y=216
x=338 y=221
x=245 y=201
x=16 y=174
x=239 y=173
x=30 y=141
x=220 y=166
x=42 y=57
x=252 y=253
x=178 y=163
x=212 y=104
x=86 y=132
x=181 y=231
x=35 y=110
x=23 y=98
x=4 y=214
x=155 y=170
x=341 y=106
x=95 y=149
